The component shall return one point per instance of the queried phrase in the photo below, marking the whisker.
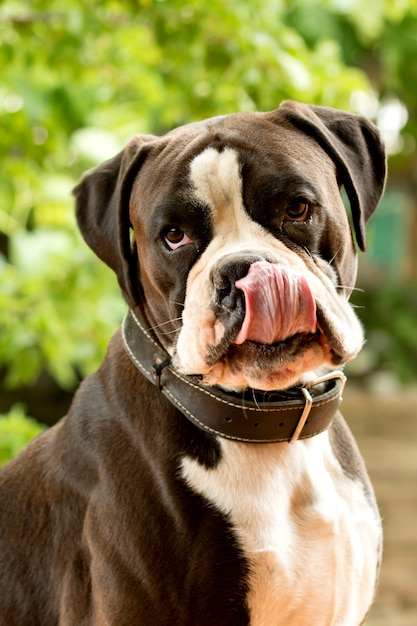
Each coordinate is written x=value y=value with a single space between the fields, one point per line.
x=175 y=319
x=169 y=332
x=177 y=303
x=351 y=288
x=254 y=398
x=334 y=256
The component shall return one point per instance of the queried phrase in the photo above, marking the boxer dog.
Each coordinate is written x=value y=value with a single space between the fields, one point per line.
x=204 y=476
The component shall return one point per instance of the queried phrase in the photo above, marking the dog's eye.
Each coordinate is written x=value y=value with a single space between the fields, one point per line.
x=298 y=210
x=175 y=238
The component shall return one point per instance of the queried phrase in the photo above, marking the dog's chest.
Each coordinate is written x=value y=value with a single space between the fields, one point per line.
x=308 y=533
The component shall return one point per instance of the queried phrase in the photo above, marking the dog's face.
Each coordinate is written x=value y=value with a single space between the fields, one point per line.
x=243 y=258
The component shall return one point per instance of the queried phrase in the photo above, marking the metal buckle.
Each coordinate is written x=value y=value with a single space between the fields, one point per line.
x=309 y=398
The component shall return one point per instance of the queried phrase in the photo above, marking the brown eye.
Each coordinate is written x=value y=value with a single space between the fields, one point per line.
x=297 y=211
x=174 y=235
x=175 y=238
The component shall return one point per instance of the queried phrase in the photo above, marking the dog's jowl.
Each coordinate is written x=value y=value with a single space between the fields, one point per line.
x=204 y=475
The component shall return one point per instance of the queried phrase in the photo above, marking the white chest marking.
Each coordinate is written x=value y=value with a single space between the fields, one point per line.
x=306 y=529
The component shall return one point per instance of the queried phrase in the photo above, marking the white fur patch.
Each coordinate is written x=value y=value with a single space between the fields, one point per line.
x=306 y=528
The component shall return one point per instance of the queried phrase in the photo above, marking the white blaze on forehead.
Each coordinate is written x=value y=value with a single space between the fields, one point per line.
x=216 y=177
x=217 y=183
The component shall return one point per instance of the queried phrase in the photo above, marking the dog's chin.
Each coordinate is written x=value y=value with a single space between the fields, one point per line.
x=266 y=367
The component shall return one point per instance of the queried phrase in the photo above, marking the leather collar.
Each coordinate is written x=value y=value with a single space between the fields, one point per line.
x=253 y=416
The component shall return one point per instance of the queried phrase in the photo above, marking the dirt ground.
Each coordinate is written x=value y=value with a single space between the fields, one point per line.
x=386 y=431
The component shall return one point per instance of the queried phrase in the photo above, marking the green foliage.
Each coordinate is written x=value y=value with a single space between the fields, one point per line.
x=16 y=430
x=389 y=313
x=57 y=307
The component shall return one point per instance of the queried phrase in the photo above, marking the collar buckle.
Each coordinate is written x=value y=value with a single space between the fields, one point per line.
x=337 y=374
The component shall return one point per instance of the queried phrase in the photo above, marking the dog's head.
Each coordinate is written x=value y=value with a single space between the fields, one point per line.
x=242 y=256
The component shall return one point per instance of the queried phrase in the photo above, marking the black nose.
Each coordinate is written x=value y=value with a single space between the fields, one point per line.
x=225 y=294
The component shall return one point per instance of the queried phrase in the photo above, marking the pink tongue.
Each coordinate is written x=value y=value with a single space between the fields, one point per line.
x=279 y=304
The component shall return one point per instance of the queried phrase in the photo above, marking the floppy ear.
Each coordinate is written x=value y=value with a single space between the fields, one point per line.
x=102 y=210
x=355 y=146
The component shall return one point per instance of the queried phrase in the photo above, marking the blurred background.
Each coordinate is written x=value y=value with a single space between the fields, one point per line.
x=79 y=78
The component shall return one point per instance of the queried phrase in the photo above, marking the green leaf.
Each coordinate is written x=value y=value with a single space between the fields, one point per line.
x=16 y=430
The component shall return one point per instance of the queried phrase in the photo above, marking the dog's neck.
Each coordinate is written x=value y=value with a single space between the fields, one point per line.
x=252 y=417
